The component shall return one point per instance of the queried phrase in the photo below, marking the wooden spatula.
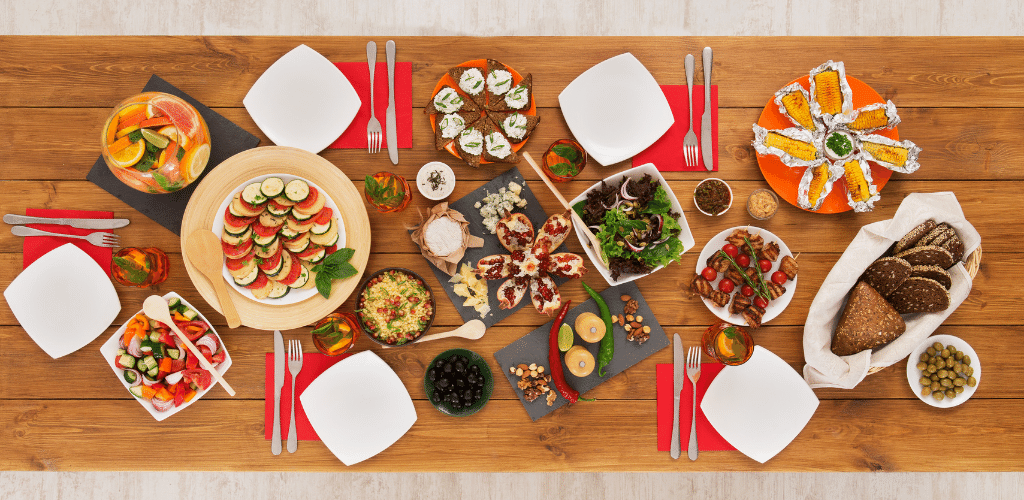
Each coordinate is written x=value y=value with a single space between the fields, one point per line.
x=204 y=251
x=156 y=308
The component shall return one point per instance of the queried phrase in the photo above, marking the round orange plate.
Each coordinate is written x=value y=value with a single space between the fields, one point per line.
x=447 y=79
x=785 y=180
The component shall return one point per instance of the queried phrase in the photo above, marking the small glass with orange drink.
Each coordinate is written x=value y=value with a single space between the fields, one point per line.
x=727 y=343
x=336 y=333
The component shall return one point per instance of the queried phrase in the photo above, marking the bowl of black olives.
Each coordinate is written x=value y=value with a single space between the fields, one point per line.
x=458 y=382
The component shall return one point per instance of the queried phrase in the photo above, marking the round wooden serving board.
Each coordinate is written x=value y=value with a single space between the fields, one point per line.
x=222 y=181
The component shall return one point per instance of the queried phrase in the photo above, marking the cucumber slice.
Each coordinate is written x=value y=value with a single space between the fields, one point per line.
x=253 y=194
x=271 y=187
x=173 y=303
x=279 y=290
x=190 y=315
x=322 y=228
x=135 y=390
x=248 y=280
x=131 y=377
x=296 y=190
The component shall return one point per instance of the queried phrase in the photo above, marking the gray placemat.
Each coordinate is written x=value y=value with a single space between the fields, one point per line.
x=533 y=348
x=492 y=246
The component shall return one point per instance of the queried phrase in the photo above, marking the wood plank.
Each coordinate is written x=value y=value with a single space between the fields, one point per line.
x=93 y=378
x=844 y=435
x=95 y=72
x=952 y=139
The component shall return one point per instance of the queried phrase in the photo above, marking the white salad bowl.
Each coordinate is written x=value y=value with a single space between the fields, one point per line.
x=685 y=235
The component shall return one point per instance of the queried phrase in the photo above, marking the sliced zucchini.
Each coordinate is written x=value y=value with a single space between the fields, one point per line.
x=250 y=278
x=273 y=273
x=253 y=195
x=301 y=216
x=311 y=283
x=298 y=244
x=296 y=190
x=287 y=232
x=240 y=210
x=279 y=290
x=234 y=210
x=264 y=241
x=326 y=239
x=303 y=278
x=280 y=212
x=271 y=220
x=236 y=239
x=267 y=251
x=322 y=228
x=236 y=230
x=271 y=187
x=317 y=257
x=283 y=268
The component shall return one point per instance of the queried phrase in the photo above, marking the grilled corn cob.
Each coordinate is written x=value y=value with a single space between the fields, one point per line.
x=894 y=155
x=821 y=174
x=828 y=92
x=855 y=181
x=795 y=148
x=871 y=119
x=799 y=109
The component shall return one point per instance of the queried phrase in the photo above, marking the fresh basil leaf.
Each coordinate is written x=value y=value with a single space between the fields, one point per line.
x=568 y=152
x=323 y=285
x=132 y=272
x=562 y=169
x=343 y=254
x=346 y=270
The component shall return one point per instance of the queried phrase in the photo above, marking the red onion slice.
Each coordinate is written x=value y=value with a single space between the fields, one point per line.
x=162 y=405
x=625 y=192
x=147 y=381
x=209 y=340
x=135 y=347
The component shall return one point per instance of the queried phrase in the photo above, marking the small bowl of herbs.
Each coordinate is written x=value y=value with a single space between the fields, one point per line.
x=712 y=196
x=435 y=181
x=564 y=160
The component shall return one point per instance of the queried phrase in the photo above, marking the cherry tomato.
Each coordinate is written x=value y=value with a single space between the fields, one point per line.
x=726 y=285
x=747 y=291
x=743 y=260
x=761 y=302
x=731 y=250
x=766 y=265
x=779 y=277
x=709 y=273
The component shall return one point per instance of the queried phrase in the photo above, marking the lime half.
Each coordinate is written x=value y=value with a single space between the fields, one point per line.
x=158 y=140
x=565 y=337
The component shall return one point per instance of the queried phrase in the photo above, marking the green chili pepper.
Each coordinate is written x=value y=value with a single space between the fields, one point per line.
x=607 y=349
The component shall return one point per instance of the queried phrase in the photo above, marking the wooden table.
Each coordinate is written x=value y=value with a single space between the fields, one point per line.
x=961 y=100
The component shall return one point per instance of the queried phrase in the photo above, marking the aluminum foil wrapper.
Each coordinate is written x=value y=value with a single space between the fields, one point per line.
x=844 y=88
x=865 y=168
x=815 y=123
x=804 y=188
x=793 y=133
x=891 y=118
x=913 y=151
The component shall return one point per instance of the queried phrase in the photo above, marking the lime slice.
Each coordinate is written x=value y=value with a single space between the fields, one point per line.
x=160 y=141
x=565 y=337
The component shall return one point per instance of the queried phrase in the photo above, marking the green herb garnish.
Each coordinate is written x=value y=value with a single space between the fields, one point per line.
x=839 y=143
x=135 y=136
x=133 y=273
x=563 y=169
x=568 y=152
x=386 y=195
x=335 y=266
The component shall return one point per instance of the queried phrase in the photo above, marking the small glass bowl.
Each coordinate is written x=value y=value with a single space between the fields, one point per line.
x=765 y=197
x=339 y=339
x=423 y=181
x=726 y=184
x=384 y=178
x=549 y=156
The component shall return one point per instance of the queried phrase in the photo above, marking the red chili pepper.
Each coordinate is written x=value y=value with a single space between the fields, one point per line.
x=555 y=360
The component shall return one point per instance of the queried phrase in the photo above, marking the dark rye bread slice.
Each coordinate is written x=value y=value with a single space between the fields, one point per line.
x=928 y=256
x=493 y=65
x=488 y=128
x=933 y=272
x=936 y=236
x=952 y=242
x=920 y=295
x=470 y=158
x=439 y=140
x=868 y=321
x=480 y=97
x=498 y=103
x=885 y=275
x=467 y=104
x=915 y=235
x=498 y=119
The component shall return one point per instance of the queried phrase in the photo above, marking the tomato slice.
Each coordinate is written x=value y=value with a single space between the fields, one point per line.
x=271 y=262
x=235 y=220
x=236 y=264
x=310 y=251
x=324 y=216
x=265 y=231
x=294 y=272
x=261 y=281
x=250 y=207
x=237 y=252
x=310 y=200
x=274 y=205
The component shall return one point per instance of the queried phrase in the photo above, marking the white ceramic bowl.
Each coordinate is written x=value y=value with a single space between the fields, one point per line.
x=616 y=109
x=423 y=183
x=303 y=100
x=914 y=375
x=634 y=173
x=731 y=197
x=109 y=350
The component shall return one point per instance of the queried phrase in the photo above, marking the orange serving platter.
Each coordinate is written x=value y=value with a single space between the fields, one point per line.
x=784 y=180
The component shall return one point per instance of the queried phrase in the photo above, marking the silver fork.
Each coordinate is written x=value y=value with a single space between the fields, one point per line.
x=294 y=367
x=374 y=135
x=693 y=373
x=690 y=140
x=99 y=238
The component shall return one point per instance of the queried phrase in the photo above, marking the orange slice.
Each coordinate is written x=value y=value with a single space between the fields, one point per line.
x=112 y=130
x=172 y=132
x=194 y=161
x=125 y=131
x=725 y=346
x=130 y=155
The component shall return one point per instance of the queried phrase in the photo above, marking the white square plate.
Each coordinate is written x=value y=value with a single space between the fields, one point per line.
x=64 y=300
x=359 y=392
x=616 y=109
x=759 y=407
x=303 y=101
x=634 y=173
x=109 y=350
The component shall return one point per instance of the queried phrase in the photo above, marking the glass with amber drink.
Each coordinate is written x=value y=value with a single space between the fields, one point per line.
x=564 y=160
x=387 y=192
x=336 y=333
x=727 y=344
x=140 y=267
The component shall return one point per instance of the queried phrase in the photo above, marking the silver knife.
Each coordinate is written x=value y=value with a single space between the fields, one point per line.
x=279 y=355
x=79 y=223
x=389 y=118
x=678 y=376
x=706 y=148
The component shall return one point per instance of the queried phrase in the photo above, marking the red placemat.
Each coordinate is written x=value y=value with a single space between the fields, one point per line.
x=358 y=75
x=37 y=246
x=708 y=439
x=667 y=153
x=313 y=364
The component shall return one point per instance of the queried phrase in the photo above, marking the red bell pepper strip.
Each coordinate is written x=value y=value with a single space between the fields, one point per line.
x=555 y=359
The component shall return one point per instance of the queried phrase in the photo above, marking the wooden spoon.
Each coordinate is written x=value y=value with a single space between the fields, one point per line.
x=204 y=250
x=473 y=330
x=156 y=308
x=576 y=220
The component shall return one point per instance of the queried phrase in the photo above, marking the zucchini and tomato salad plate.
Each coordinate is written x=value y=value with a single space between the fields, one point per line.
x=274 y=230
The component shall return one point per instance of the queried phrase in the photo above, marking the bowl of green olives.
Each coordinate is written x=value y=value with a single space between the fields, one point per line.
x=944 y=371
x=458 y=382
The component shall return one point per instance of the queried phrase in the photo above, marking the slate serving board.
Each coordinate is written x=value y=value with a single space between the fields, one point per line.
x=492 y=246
x=226 y=139
x=533 y=348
